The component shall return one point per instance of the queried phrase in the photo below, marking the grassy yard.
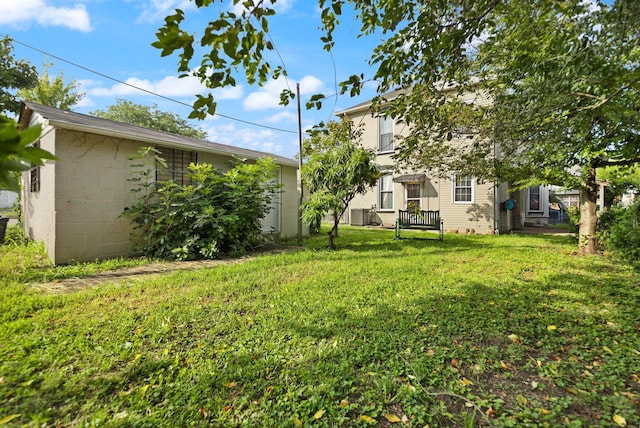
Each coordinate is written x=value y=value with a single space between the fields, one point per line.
x=475 y=331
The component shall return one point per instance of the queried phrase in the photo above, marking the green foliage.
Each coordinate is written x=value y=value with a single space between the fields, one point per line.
x=561 y=77
x=150 y=117
x=53 y=92
x=336 y=169
x=217 y=213
x=619 y=231
x=17 y=153
x=14 y=75
x=620 y=180
x=486 y=330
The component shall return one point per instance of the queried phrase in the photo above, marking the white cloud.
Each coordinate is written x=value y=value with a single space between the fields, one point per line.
x=170 y=86
x=25 y=12
x=268 y=97
x=280 y=6
x=155 y=10
x=286 y=116
x=264 y=140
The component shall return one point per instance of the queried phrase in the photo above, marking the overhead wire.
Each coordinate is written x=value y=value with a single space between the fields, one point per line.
x=148 y=91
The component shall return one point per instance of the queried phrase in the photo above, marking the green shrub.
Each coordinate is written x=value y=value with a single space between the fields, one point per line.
x=218 y=213
x=619 y=231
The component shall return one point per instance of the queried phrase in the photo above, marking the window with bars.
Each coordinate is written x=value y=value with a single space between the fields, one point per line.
x=34 y=175
x=462 y=189
x=386 y=134
x=177 y=165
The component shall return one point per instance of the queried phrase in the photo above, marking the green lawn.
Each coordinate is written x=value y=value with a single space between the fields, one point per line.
x=473 y=331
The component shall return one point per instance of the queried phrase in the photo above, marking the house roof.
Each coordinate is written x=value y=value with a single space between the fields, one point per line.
x=81 y=122
x=443 y=86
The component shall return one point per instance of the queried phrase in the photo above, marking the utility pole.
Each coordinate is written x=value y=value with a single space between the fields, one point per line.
x=300 y=190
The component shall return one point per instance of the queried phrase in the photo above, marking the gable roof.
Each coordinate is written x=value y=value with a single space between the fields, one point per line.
x=81 y=122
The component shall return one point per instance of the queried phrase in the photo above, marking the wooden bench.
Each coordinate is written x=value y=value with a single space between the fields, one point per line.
x=424 y=220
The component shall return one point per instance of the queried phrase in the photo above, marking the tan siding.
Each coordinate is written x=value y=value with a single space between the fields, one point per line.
x=39 y=208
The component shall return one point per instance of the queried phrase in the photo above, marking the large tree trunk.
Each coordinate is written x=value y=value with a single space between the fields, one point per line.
x=588 y=214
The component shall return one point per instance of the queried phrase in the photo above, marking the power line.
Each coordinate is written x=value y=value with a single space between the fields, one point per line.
x=148 y=91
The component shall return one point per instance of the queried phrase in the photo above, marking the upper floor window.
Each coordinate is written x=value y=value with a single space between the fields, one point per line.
x=177 y=165
x=386 y=192
x=385 y=124
x=462 y=188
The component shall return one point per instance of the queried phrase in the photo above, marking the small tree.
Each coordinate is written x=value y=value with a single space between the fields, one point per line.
x=54 y=91
x=337 y=168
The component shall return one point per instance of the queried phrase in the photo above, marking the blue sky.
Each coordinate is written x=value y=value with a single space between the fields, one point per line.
x=114 y=38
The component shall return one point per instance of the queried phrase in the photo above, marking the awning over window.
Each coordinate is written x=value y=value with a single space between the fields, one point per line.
x=410 y=178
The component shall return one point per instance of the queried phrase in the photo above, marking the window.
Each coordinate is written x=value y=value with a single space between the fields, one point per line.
x=177 y=165
x=413 y=196
x=462 y=188
x=34 y=175
x=386 y=192
x=385 y=124
x=534 y=199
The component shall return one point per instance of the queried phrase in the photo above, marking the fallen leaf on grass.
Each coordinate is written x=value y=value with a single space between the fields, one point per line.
x=551 y=327
x=522 y=399
x=143 y=390
x=466 y=382
x=9 y=418
x=606 y=348
x=367 y=419
x=318 y=414
x=297 y=422
x=392 y=418
x=230 y=384
x=622 y=422
x=504 y=365
x=344 y=403
x=514 y=338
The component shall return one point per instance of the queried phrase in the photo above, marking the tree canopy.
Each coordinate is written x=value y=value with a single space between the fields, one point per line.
x=150 y=117
x=336 y=169
x=54 y=91
x=562 y=78
x=14 y=75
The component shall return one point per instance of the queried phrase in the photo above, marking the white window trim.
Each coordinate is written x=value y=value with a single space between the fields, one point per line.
x=378 y=149
x=540 y=210
x=406 y=197
x=453 y=192
x=380 y=209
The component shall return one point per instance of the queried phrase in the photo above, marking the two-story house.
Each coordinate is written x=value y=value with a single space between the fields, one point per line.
x=466 y=204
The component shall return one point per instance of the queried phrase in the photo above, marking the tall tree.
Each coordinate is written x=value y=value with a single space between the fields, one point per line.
x=150 y=117
x=562 y=77
x=54 y=91
x=337 y=168
x=14 y=75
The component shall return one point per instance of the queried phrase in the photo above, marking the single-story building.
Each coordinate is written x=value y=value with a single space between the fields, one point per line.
x=73 y=204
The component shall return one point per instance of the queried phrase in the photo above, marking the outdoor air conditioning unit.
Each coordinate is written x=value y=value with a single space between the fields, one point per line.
x=359 y=217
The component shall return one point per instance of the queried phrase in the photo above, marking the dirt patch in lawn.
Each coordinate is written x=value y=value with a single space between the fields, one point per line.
x=74 y=284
